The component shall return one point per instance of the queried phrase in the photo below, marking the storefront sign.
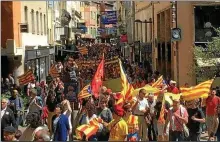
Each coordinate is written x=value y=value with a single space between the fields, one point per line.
x=109 y=17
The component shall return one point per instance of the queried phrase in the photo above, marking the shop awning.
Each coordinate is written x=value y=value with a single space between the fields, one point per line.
x=83 y=50
x=208 y=63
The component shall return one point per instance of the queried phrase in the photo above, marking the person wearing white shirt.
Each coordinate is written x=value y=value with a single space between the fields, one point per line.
x=139 y=109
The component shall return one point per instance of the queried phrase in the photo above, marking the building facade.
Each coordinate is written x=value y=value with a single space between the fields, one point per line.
x=175 y=59
x=28 y=48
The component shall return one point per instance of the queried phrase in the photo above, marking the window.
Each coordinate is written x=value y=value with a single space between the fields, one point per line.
x=25 y=14
x=41 y=24
x=37 y=18
x=45 y=30
x=32 y=21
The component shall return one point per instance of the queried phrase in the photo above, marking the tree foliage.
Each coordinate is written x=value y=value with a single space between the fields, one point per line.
x=208 y=58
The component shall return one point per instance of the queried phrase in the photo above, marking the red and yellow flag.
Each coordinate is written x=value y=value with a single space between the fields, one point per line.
x=26 y=78
x=159 y=82
x=200 y=91
x=88 y=129
x=162 y=112
x=127 y=88
x=53 y=71
x=85 y=92
x=83 y=50
x=97 y=80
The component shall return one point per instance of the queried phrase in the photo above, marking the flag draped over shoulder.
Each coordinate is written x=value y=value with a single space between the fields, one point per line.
x=97 y=80
x=200 y=91
x=159 y=82
x=26 y=78
x=127 y=88
x=88 y=129
x=85 y=92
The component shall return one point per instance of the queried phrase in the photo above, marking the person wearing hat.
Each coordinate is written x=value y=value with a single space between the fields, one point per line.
x=172 y=88
x=177 y=116
x=9 y=133
x=118 y=127
x=16 y=105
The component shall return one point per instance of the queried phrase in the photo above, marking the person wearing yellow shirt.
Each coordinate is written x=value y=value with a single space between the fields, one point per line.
x=118 y=127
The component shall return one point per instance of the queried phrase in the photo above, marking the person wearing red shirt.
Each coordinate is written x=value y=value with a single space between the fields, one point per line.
x=172 y=88
x=212 y=122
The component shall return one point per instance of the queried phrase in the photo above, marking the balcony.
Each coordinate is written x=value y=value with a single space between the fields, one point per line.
x=78 y=14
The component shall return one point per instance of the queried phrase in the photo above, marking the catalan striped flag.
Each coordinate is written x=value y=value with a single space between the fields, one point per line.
x=83 y=50
x=53 y=71
x=88 y=129
x=185 y=89
x=200 y=91
x=127 y=88
x=162 y=112
x=26 y=78
x=132 y=124
x=159 y=82
x=85 y=92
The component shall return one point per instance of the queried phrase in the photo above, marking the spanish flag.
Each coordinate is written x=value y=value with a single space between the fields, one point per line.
x=85 y=92
x=127 y=88
x=158 y=83
x=200 y=91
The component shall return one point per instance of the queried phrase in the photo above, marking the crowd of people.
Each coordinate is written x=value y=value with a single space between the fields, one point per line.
x=54 y=112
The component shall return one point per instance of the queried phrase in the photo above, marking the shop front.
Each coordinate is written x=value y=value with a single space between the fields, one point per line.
x=39 y=60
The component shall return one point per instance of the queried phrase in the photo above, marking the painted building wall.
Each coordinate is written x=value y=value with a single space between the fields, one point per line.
x=29 y=39
x=11 y=17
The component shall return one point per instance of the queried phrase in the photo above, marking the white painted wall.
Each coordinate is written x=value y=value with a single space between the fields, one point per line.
x=29 y=39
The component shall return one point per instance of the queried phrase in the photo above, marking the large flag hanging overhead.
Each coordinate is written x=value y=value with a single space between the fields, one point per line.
x=127 y=88
x=97 y=80
x=158 y=82
x=200 y=91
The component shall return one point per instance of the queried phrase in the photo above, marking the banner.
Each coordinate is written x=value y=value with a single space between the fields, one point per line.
x=53 y=71
x=109 y=17
x=26 y=78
